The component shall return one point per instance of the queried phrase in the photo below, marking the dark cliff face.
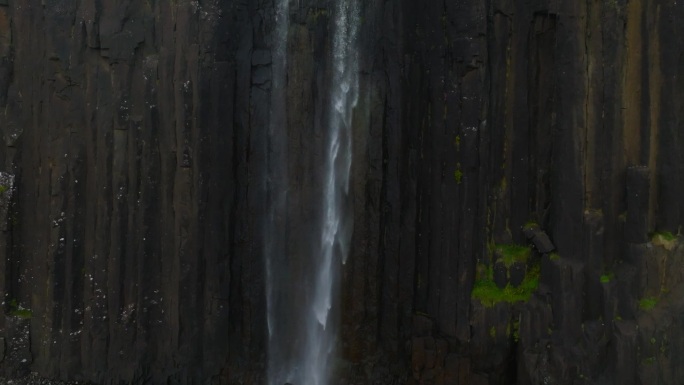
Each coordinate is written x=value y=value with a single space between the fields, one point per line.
x=138 y=136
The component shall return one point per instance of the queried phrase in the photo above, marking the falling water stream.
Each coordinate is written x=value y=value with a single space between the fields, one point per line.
x=336 y=227
x=307 y=358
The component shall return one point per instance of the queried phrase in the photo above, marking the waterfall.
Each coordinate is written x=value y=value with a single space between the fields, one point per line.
x=336 y=226
x=305 y=355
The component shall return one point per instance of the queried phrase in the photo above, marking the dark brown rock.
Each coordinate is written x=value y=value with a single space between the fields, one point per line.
x=517 y=273
x=539 y=239
x=501 y=277
x=638 y=222
x=624 y=352
x=141 y=134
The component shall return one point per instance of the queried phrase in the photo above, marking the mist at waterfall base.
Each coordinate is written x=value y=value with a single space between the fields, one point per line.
x=302 y=290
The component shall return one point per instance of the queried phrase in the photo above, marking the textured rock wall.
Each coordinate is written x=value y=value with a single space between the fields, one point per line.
x=128 y=126
x=534 y=111
x=138 y=135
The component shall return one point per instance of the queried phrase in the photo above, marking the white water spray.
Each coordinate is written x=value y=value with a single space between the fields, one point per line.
x=336 y=232
x=308 y=357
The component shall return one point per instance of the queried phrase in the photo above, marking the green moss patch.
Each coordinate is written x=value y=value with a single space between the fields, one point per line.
x=665 y=235
x=510 y=254
x=16 y=310
x=458 y=174
x=665 y=239
x=647 y=304
x=22 y=313
x=605 y=278
x=486 y=291
x=516 y=329
x=530 y=225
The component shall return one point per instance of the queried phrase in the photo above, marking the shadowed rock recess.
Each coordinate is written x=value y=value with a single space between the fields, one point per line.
x=516 y=189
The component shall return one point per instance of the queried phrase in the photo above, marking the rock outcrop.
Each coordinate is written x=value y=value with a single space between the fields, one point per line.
x=138 y=137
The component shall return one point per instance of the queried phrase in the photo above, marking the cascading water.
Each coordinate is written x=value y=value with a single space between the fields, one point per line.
x=336 y=229
x=304 y=357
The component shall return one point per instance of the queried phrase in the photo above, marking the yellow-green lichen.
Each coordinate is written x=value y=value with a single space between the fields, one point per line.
x=516 y=330
x=458 y=174
x=530 y=225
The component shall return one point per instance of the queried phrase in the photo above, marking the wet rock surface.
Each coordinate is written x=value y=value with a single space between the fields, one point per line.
x=137 y=137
